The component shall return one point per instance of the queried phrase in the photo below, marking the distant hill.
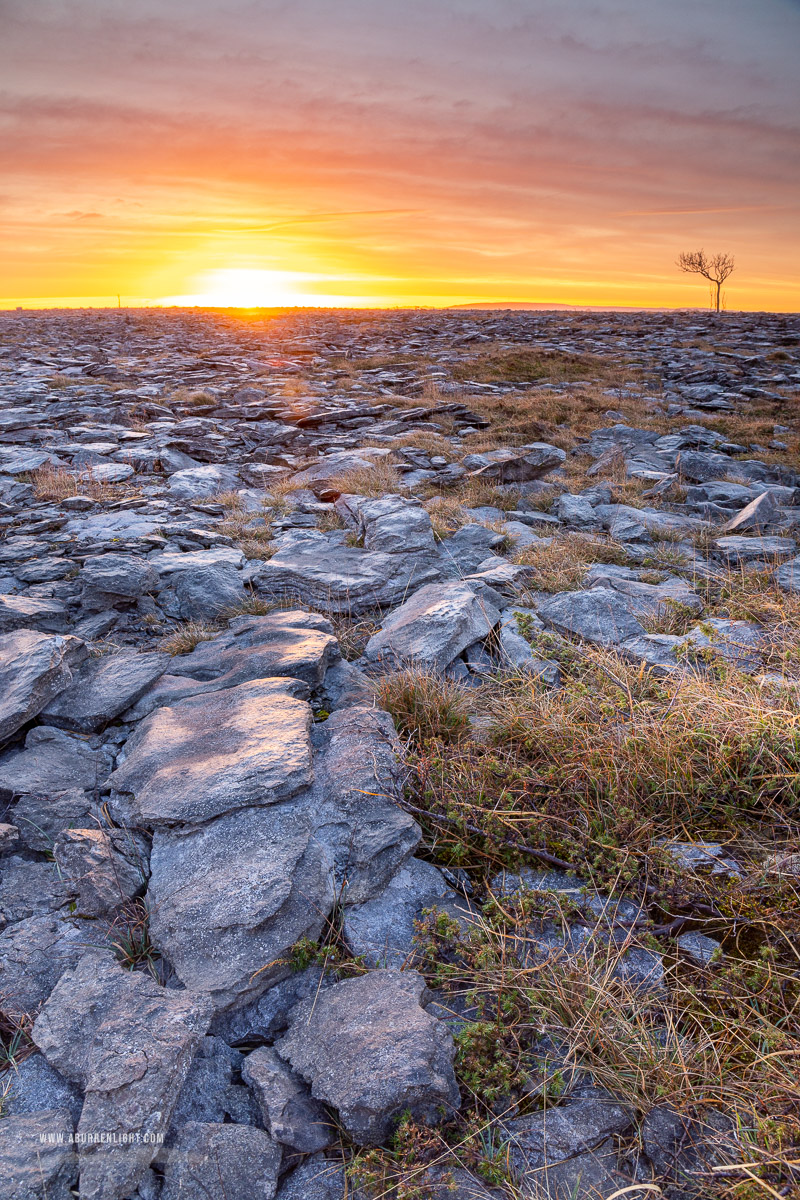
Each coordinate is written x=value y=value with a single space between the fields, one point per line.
x=537 y=304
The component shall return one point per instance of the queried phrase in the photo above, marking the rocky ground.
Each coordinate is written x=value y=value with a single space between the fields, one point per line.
x=400 y=749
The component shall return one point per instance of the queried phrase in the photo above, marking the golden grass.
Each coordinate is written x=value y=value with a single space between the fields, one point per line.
x=54 y=483
x=184 y=638
x=375 y=480
x=562 y=565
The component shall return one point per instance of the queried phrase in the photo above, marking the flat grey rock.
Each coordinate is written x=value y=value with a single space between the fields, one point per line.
x=599 y=615
x=290 y=1113
x=317 y=1178
x=34 y=954
x=103 y=688
x=99 y=870
x=209 y=1093
x=34 y=668
x=230 y=899
x=215 y=752
x=129 y=1043
x=106 y=579
x=204 y=592
x=24 y=612
x=215 y=1160
x=53 y=762
x=344 y=579
x=568 y=1151
x=382 y=930
x=369 y=1049
x=433 y=627
x=199 y=482
x=35 y=1087
x=32 y=1169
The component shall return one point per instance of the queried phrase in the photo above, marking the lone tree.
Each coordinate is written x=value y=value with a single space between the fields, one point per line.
x=716 y=270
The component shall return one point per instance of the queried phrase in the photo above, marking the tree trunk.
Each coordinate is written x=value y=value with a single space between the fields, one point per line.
x=719 y=289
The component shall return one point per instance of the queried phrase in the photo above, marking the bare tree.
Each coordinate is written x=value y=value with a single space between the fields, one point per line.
x=716 y=270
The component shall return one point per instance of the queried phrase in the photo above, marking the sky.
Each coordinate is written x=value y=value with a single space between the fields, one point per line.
x=397 y=152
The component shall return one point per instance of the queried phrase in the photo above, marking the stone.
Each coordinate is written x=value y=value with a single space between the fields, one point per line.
x=736 y=549
x=199 y=482
x=704 y=858
x=53 y=762
x=515 y=465
x=358 y=776
x=683 y=1149
x=568 y=1151
x=261 y=1019
x=382 y=931
x=317 y=1178
x=230 y=899
x=699 y=949
x=29 y=889
x=34 y=1087
x=212 y=753
x=291 y=1115
x=210 y=1160
x=107 y=579
x=34 y=953
x=758 y=515
x=344 y=579
x=787 y=575
x=34 y=668
x=37 y=1160
x=390 y=524
x=102 y=689
x=324 y=475
x=433 y=627
x=96 y=872
x=369 y=1049
x=574 y=510
x=294 y=643
x=599 y=615
x=41 y=818
x=24 y=612
x=129 y=1043
x=470 y=545
x=209 y=1093
x=205 y=592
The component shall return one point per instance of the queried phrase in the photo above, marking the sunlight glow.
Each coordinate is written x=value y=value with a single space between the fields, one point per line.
x=244 y=288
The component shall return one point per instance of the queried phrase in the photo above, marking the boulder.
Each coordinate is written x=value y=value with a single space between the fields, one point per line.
x=53 y=762
x=34 y=668
x=196 y=483
x=568 y=1151
x=25 y=612
x=35 y=1087
x=292 y=1116
x=382 y=931
x=34 y=954
x=100 y=870
x=230 y=899
x=212 y=753
x=515 y=465
x=433 y=627
x=209 y=1093
x=391 y=524
x=102 y=689
x=600 y=616
x=344 y=579
x=368 y=1047
x=317 y=1178
x=758 y=515
x=129 y=1043
x=108 y=579
x=210 y=1160
x=37 y=1159
x=204 y=592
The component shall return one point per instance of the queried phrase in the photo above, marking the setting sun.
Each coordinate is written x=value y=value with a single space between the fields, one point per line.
x=243 y=289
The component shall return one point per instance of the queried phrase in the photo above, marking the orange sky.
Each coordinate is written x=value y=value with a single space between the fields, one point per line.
x=397 y=151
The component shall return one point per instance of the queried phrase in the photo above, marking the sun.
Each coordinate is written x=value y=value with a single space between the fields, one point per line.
x=242 y=288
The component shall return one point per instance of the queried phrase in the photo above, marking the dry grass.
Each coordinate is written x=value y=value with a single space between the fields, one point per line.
x=593 y=777
x=377 y=480
x=54 y=483
x=522 y=364
x=562 y=565
x=191 y=398
x=184 y=638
